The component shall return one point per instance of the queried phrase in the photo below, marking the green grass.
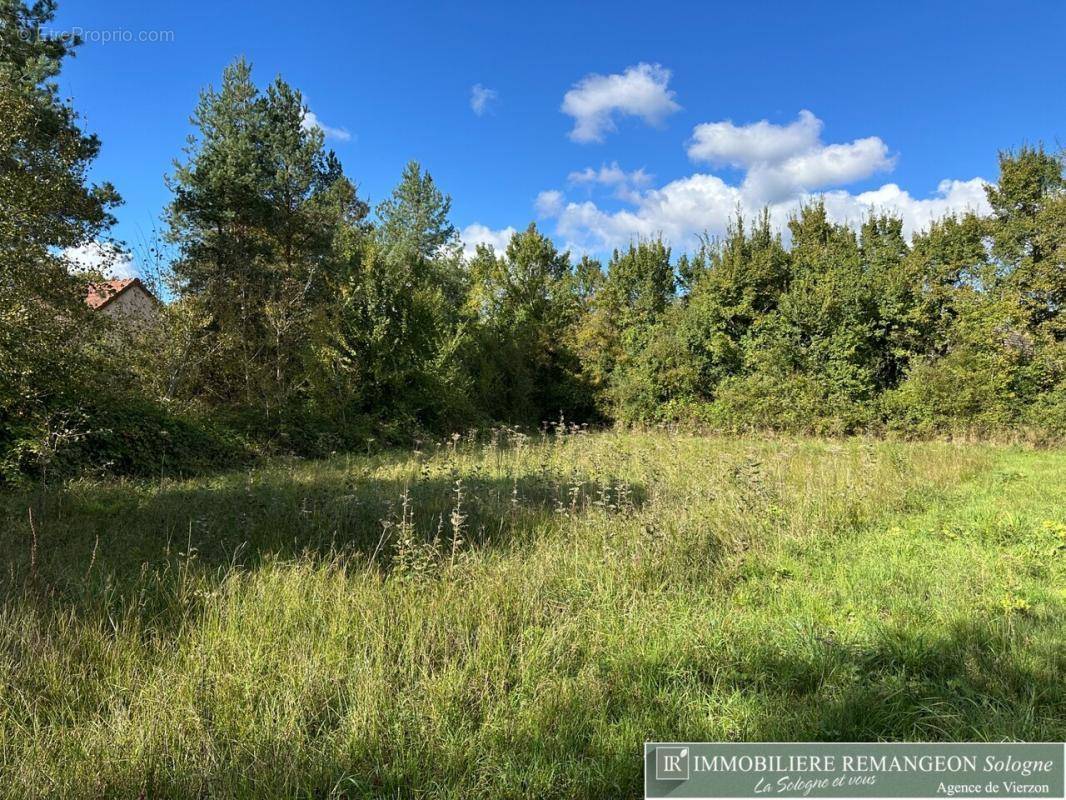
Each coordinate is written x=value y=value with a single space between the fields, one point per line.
x=514 y=618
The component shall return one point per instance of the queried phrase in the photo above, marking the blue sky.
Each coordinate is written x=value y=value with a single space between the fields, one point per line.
x=677 y=112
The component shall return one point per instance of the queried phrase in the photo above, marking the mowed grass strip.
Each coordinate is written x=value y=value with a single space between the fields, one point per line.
x=513 y=618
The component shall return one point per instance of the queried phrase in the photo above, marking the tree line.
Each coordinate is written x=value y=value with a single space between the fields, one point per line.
x=302 y=320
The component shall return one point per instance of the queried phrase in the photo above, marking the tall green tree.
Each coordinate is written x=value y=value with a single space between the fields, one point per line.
x=982 y=339
x=738 y=282
x=398 y=341
x=1028 y=228
x=527 y=303
x=258 y=212
x=218 y=221
x=830 y=307
x=639 y=287
x=884 y=250
x=729 y=286
x=47 y=206
x=414 y=220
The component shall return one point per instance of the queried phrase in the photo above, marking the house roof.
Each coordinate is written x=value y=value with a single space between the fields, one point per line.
x=99 y=295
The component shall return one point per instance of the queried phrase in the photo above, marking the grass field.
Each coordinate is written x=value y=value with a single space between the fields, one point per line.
x=514 y=618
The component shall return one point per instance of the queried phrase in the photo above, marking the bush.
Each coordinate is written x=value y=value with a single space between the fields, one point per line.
x=1048 y=413
x=968 y=388
x=136 y=437
x=794 y=403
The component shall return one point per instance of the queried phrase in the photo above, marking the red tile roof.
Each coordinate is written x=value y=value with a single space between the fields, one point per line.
x=99 y=295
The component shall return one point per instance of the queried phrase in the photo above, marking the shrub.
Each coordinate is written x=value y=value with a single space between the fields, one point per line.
x=1048 y=413
x=136 y=437
x=789 y=403
x=967 y=388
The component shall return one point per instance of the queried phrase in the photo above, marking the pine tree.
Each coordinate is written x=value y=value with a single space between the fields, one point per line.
x=414 y=221
x=259 y=211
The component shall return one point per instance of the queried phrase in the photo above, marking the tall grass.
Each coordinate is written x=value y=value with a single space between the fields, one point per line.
x=514 y=617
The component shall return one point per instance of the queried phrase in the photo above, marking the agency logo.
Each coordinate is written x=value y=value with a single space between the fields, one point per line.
x=671 y=763
x=854 y=769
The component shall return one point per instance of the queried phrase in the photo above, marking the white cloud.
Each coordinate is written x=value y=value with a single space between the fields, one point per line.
x=952 y=197
x=834 y=165
x=626 y=185
x=640 y=91
x=782 y=160
x=549 y=203
x=311 y=120
x=784 y=166
x=744 y=145
x=100 y=257
x=481 y=98
x=685 y=208
x=475 y=234
x=678 y=211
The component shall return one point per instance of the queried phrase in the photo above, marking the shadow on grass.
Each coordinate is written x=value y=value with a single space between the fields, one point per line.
x=92 y=540
x=979 y=679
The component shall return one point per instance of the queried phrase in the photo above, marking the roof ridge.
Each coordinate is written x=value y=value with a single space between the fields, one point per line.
x=100 y=293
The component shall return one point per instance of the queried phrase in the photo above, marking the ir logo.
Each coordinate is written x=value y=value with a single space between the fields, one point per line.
x=671 y=763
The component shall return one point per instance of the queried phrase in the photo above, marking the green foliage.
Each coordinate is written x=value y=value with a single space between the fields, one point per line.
x=620 y=327
x=395 y=337
x=131 y=437
x=414 y=222
x=48 y=358
x=259 y=207
x=731 y=285
x=524 y=306
x=960 y=330
x=987 y=343
x=394 y=346
x=1048 y=413
x=1028 y=229
x=786 y=402
x=978 y=383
